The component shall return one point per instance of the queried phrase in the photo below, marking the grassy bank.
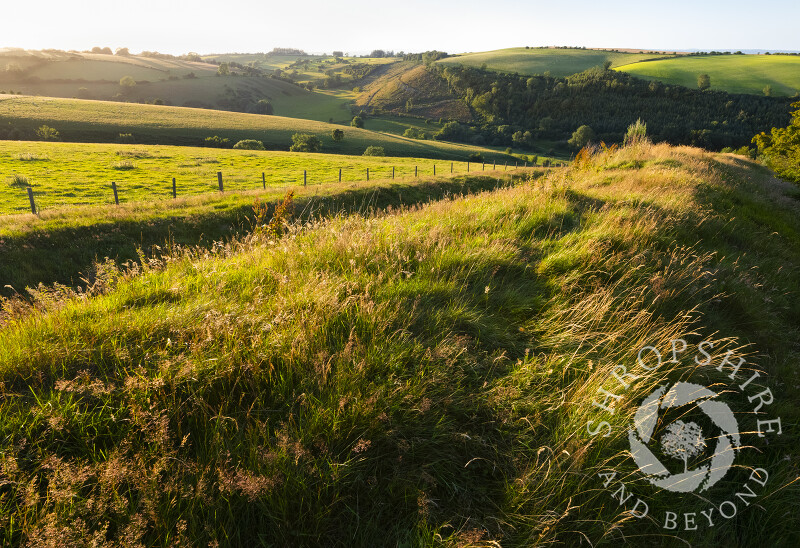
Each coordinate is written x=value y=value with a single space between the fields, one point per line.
x=422 y=377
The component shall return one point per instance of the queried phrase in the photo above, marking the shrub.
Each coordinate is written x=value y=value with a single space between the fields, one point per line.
x=373 y=150
x=217 y=142
x=125 y=138
x=637 y=133
x=127 y=82
x=337 y=135
x=249 y=144
x=357 y=121
x=476 y=157
x=413 y=133
x=125 y=165
x=30 y=157
x=304 y=142
x=47 y=133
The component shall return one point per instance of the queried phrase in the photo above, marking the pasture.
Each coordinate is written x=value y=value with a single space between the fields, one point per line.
x=731 y=73
x=81 y=174
x=556 y=61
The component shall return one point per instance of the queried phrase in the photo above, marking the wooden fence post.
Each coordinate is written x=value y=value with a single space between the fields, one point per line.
x=264 y=180
x=415 y=171
x=367 y=174
x=219 y=179
x=305 y=178
x=114 y=188
x=494 y=164
x=505 y=167
x=392 y=172
x=483 y=166
x=434 y=170
x=467 y=167
x=451 y=167
x=340 y=175
x=33 y=203
x=174 y=188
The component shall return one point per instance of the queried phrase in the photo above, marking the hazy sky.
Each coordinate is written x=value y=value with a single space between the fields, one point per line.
x=208 y=26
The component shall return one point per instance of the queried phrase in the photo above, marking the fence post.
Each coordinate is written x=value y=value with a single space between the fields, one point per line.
x=367 y=174
x=340 y=175
x=505 y=167
x=264 y=180
x=451 y=167
x=33 y=203
x=415 y=171
x=483 y=166
x=392 y=172
x=174 y=188
x=219 y=179
x=494 y=164
x=526 y=164
x=305 y=178
x=114 y=188
x=467 y=167
x=434 y=170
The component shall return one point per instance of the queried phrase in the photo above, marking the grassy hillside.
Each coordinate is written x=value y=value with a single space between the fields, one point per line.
x=556 y=61
x=100 y=121
x=731 y=73
x=423 y=377
x=68 y=174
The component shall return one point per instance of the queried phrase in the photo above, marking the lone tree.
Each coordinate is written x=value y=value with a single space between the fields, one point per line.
x=337 y=135
x=303 y=142
x=263 y=106
x=223 y=70
x=683 y=441
x=127 y=82
x=581 y=137
x=704 y=81
x=767 y=90
x=357 y=121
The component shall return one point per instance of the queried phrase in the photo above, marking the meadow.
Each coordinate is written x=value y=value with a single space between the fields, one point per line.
x=413 y=376
x=102 y=121
x=731 y=73
x=64 y=174
x=556 y=61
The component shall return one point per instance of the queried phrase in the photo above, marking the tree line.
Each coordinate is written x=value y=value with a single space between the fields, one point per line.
x=546 y=107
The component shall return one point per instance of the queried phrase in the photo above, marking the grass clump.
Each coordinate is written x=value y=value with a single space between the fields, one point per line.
x=17 y=180
x=32 y=157
x=125 y=165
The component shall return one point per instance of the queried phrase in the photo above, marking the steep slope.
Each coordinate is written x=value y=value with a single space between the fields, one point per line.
x=418 y=378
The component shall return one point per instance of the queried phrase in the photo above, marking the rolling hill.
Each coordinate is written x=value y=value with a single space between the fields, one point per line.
x=556 y=61
x=100 y=121
x=172 y=81
x=731 y=73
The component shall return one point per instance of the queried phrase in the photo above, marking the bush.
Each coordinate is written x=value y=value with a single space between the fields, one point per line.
x=304 y=142
x=127 y=82
x=357 y=121
x=249 y=144
x=337 y=135
x=373 y=150
x=637 y=133
x=217 y=142
x=47 y=133
x=475 y=157
x=125 y=165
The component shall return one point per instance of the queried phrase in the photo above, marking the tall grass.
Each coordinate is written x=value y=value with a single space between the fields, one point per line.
x=422 y=376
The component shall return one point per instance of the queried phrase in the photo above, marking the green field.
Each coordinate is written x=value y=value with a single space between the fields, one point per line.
x=731 y=73
x=558 y=62
x=98 y=121
x=71 y=174
x=422 y=376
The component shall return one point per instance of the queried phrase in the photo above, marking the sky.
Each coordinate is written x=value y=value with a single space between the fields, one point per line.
x=358 y=26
